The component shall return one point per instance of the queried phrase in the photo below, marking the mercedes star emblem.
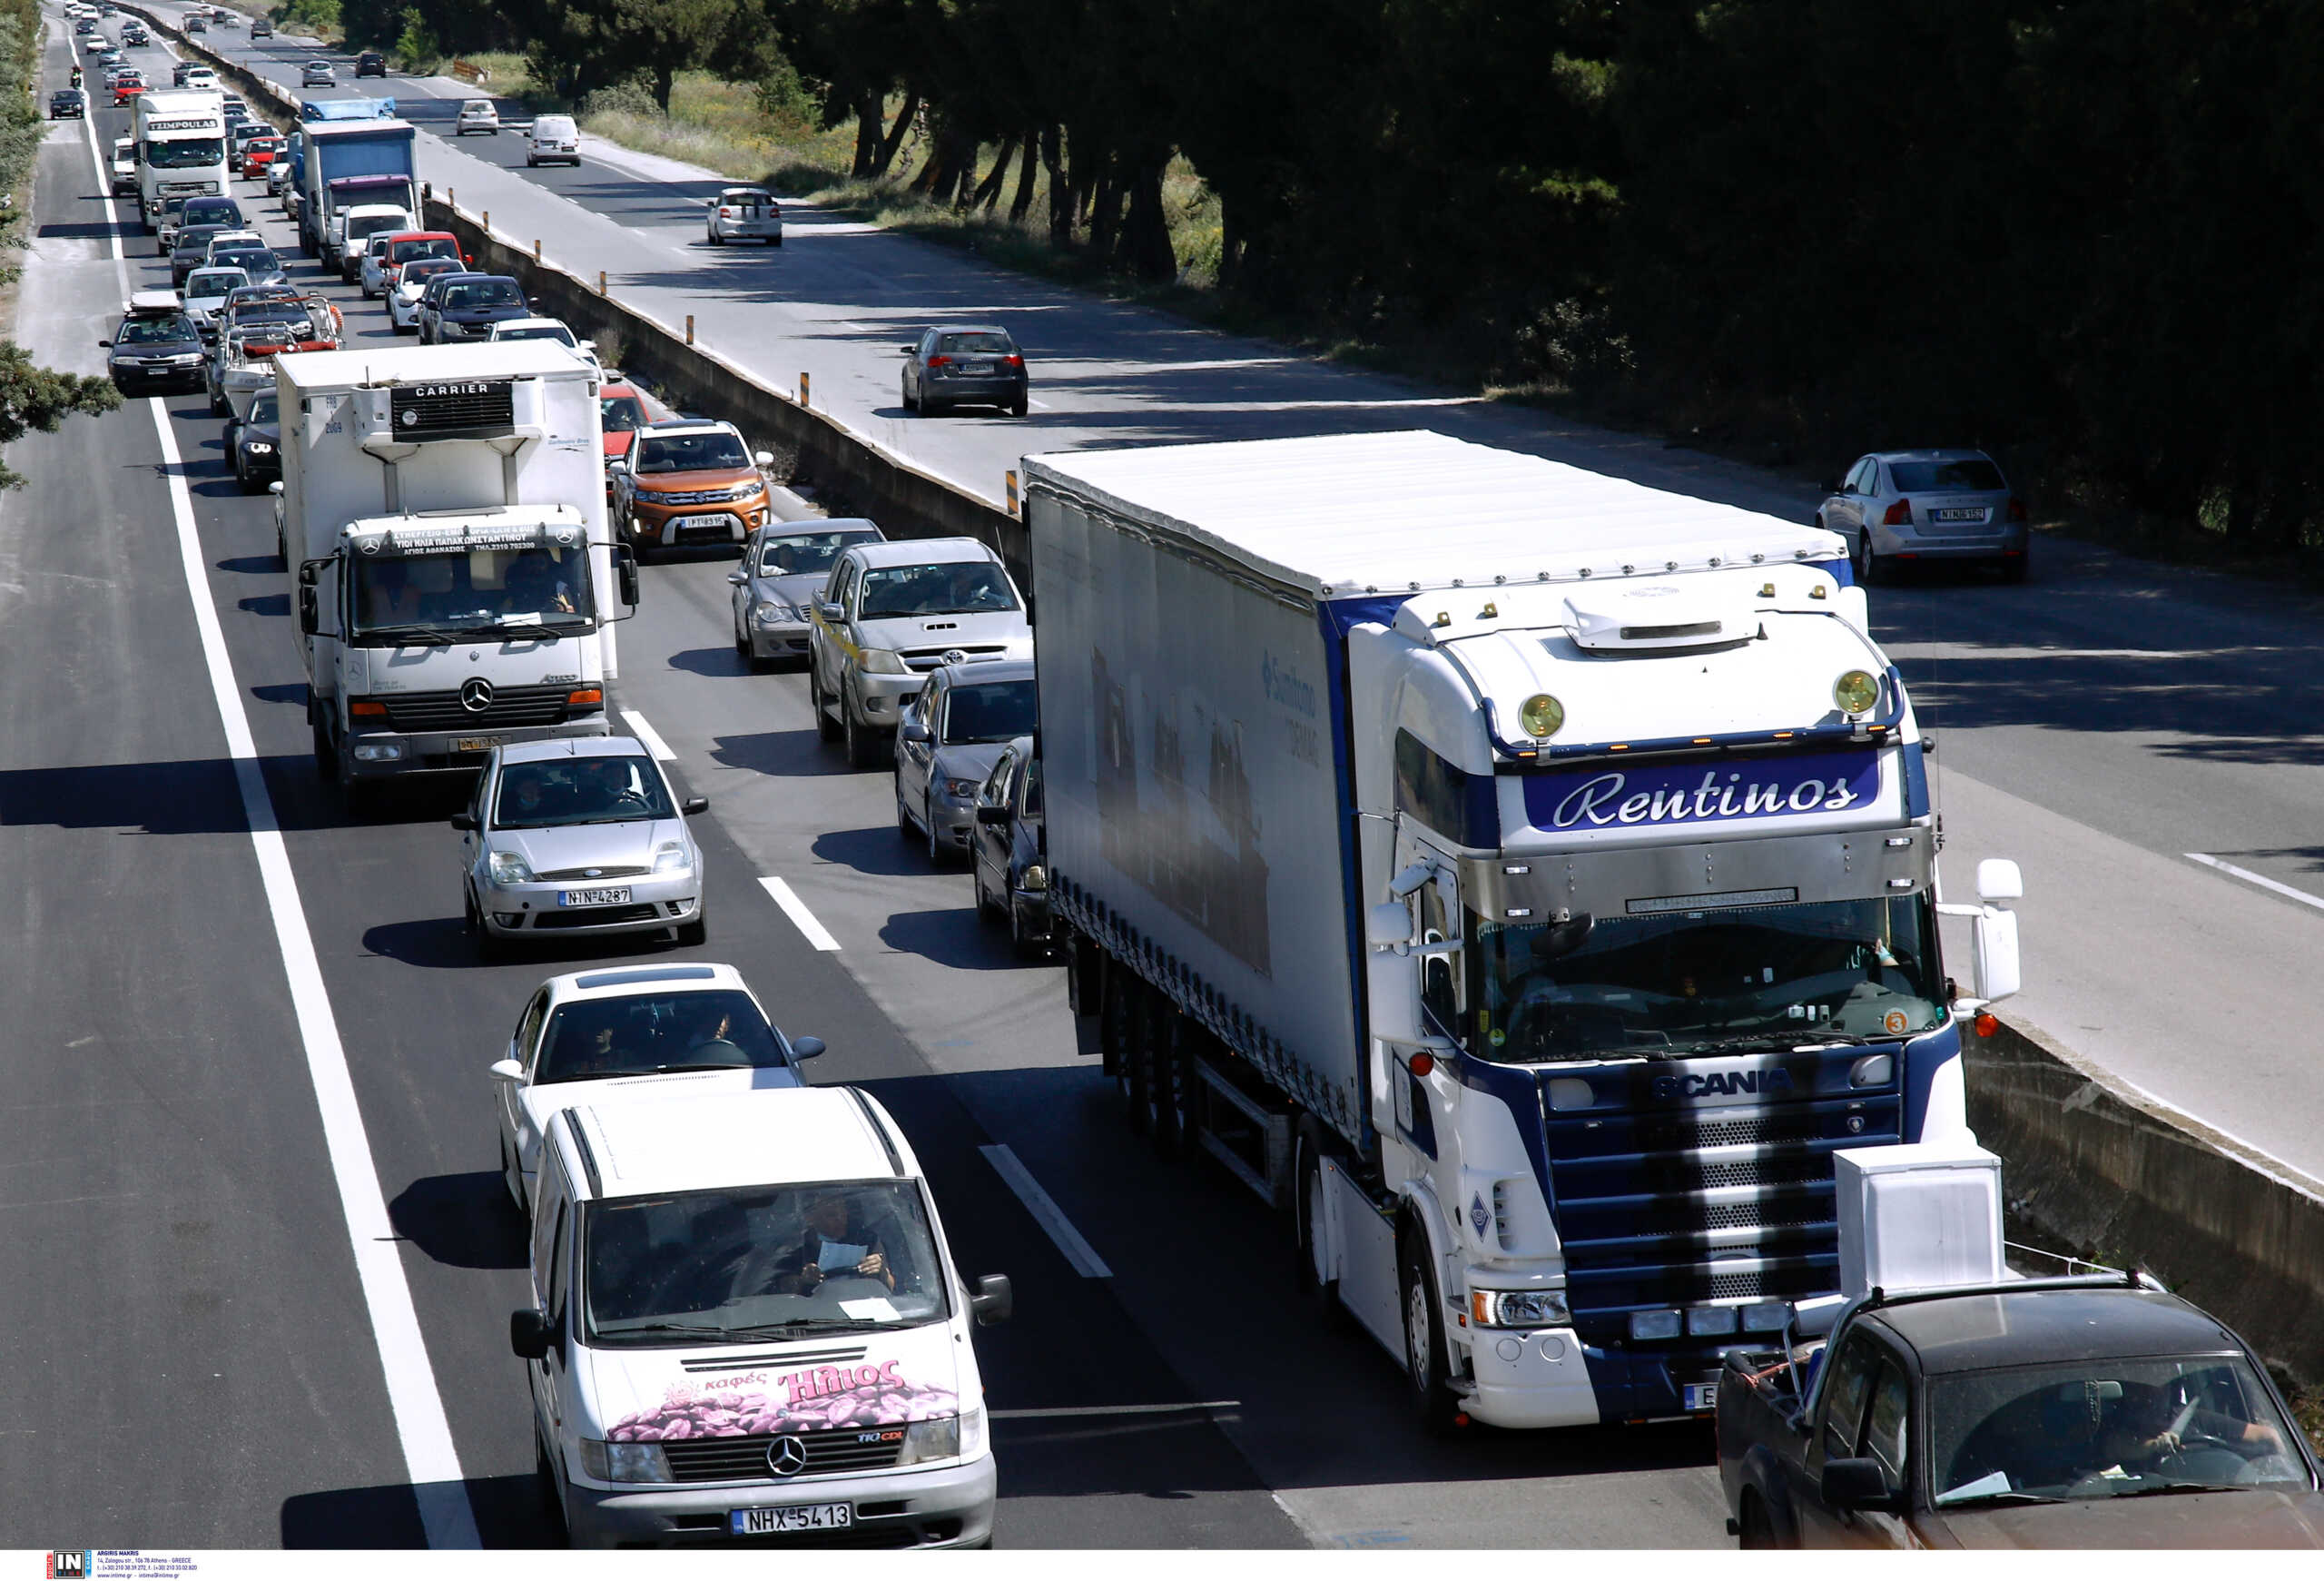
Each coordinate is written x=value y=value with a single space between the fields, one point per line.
x=786 y=1456
x=476 y=696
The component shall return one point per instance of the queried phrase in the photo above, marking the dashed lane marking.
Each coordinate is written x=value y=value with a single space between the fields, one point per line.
x=1046 y=1212
x=801 y=917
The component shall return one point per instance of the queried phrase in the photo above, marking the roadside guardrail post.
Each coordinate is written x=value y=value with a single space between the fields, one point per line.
x=601 y=283
x=689 y=329
x=487 y=222
x=1012 y=491
x=803 y=386
x=536 y=250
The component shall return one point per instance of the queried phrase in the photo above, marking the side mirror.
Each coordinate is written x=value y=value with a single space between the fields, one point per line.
x=105 y=343
x=693 y=805
x=466 y=258
x=1993 y=968
x=507 y=1070
x=992 y=1301
x=995 y=815
x=828 y=611
x=1854 y=1483
x=806 y=1048
x=529 y=1335
x=1388 y=925
x=907 y=350
x=1835 y=486
x=626 y=571
x=465 y=822
x=737 y=578
x=1999 y=879
x=913 y=731
x=309 y=613
x=763 y=458
x=1393 y=996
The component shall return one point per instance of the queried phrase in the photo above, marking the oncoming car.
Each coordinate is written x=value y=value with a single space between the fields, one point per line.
x=689 y=481
x=411 y=281
x=157 y=347
x=582 y=835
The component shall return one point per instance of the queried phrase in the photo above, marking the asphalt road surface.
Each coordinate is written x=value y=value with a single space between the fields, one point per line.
x=255 y=1237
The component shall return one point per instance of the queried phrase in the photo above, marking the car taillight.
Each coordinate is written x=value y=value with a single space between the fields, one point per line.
x=940 y=360
x=725 y=213
x=1899 y=514
x=2016 y=508
x=1015 y=362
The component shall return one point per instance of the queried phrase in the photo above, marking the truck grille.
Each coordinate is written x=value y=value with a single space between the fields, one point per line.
x=463 y=409
x=744 y=1459
x=511 y=707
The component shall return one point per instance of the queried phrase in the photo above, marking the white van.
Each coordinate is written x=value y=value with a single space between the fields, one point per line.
x=747 y=1326
x=554 y=138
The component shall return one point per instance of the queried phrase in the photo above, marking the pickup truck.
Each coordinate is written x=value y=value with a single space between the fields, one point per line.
x=2095 y=1412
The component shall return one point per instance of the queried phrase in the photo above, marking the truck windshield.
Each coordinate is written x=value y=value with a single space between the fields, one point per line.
x=759 y=1262
x=2104 y=1430
x=185 y=155
x=1686 y=982
x=487 y=593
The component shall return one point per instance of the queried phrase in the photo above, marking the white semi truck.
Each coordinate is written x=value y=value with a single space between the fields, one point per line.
x=443 y=512
x=1525 y=879
x=181 y=135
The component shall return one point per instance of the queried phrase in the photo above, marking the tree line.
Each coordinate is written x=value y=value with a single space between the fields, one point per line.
x=2079 y=229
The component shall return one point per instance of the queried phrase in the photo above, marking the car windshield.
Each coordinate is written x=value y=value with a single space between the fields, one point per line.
x=958 y=588
x=796 y=553
x=2106 y=1429
x=705 y=453
x=483 y=293
x=211 y=212
x=1686 y=981
x=264 y=409
x=1975 y=475
x=255 y=261
x=977 y=345
x=427 y=247
x=420 y=269
x=364 y=225
x=185 y=155
x=557 y=332
x=196 y=238
x=613 y=788
x=748 y=1261
x=214 y=282
x=153 y=332
x=269 y=312
x=990 y=711
x=620 y=414
x=637 y=1034
x=471 y=593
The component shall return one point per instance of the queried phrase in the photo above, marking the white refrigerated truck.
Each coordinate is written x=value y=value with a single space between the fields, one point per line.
x=1523 y=878
x=181 y=147
x=443 y=511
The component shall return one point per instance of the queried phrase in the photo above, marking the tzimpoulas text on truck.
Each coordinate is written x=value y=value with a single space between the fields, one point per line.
x=443 y=513
x=1524 y=878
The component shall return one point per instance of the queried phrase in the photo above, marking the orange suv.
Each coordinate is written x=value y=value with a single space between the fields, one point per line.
x=688 y=481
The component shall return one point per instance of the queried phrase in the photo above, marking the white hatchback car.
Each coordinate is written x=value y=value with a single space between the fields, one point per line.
x=684 y=1030
x=544 y=330
x=746 y=214
x=478 y=116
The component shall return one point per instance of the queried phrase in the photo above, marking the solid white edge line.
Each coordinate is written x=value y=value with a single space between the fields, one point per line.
x=1046 y=1212
x=648 y=735
x=2248 y=876
x=430 y=1458
x=801 y=917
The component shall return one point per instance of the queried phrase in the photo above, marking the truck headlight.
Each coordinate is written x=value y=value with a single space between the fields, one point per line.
x=1034 y=877
x=1855 y=692
x=1517 y=1309
x=670 y=856
x=936 y=1441
x=607 y=1462
x=509 y=867
x=882 y=661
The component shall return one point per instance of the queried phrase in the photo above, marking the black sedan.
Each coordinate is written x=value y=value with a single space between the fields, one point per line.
x=974 y=365
x=1005 y=849
x=68 y=104
x=464 y=307
x=254 y=445
x=156 y=351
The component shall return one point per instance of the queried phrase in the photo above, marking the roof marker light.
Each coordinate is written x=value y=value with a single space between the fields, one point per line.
x=1817 y=591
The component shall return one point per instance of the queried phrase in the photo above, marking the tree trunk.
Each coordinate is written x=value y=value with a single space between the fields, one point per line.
x=1022 y=203
x=1149 y=249
x=988 y=192
x=1061 y=189
x=1230 y=243
x=1105 y=212
x=868 y=111
x=665 y=76
x=895 y=138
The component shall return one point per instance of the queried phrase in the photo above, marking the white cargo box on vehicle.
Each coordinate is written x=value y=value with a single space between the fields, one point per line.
x=1917 y=1216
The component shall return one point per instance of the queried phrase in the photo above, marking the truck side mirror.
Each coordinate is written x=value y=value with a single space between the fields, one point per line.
x=1853 y=1484
x=1393 y=996
x=310 y=614
x=1998 y=879
x=1993 y=968
x=1387 y=925
x=529 y=1335
x=993 y=1299
x=626 y=571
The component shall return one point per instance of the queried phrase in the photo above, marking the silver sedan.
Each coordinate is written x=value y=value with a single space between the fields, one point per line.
x=578 y=836
x=952 y=736
x=785 y=567
x=1913 y=505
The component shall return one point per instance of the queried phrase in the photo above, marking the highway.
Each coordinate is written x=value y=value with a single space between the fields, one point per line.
x=251 y=1201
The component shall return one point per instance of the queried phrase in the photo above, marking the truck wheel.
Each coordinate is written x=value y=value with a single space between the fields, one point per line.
x=1307 y=1224
x=1129 y=1056
x=1170 y=1084
x=326 y=754
x=1426 y=1358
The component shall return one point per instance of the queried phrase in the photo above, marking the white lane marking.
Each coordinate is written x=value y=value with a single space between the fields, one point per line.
x=1046 y=1212
x=2245 y=874
x=648 y=735
x=430 y=1458
x=801 y=917
x=1031 y=1414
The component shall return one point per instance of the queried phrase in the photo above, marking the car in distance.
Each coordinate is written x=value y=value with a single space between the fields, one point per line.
x=891 y=613
x=621 y=414
x=155 y=347
x=476 y=115
x=746 y=214
x=370 y=64
x=555 y=330
x=1921 y=506
x=681 y=1029
x=411 y=281
x=578 y=836
x=254 y=444
x=2027 y=1414
x=1005 y=856
x=262 y=28
x=555 y=139
x=689 y=481
x=785 y=565
x=259 y=155
x=126 y=85
x=195 y=24
x=317 y=73
x=950 y=737
x=205 y=293
x=68 y=105
x=977 y=365
x=124 y=165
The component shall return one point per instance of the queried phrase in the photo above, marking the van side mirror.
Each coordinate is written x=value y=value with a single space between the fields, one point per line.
x=310 y=612
x=1853 y=1485
x=806 y=1048
x=991 y=1300
x=529 y=1335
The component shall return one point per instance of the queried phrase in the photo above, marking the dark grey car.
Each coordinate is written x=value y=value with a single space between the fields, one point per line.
x=1914 y=506
x=783 y=567
x=255 y=444
x=950 y=737
x=1005 y=849
x=156 y=351
x=974 y=365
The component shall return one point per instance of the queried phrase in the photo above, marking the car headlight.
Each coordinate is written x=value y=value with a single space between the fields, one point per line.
x=607 y=1462
x=1517 y=1309
x=259 y=447
x=882 y=661
x=1034 y=877
x=745 y=492
x=959 y=790
x=509 y=867
x=936 y=1441
x=775 y=613
x=670 y=856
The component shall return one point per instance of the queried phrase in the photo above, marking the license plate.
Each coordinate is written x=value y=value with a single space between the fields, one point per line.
x=474 y=743
x=792 y=1518
x=617 y=895
x=972 y=368
x=1702 y=1396
x=1976 y=513
x=721 y=519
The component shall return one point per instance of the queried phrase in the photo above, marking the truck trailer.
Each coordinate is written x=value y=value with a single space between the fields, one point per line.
x=1523 y=879
x=442 y=511
x=345 y=162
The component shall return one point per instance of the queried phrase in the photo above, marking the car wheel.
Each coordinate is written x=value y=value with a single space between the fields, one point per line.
x=695 y=932
x=1020 y=406
x=242 y=476
x=862 y=741
x=912 y=402
x=1869 y=571
x=938 y=849
x=1438 y=1407
x=826 y=727
x=716 y=239
x=219 y=406
x=930 y=408
x=2016 y=567
x=774 y=241
x=1027 y=947
x=976 y=877
x=551 y=1483
x=904 y=825
x=1755 y=1529
x=742 y=643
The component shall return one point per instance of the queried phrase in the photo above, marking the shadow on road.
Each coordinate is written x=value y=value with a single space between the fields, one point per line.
x=461 y=1221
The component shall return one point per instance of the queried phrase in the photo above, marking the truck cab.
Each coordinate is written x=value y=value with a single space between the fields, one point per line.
x=181 y=147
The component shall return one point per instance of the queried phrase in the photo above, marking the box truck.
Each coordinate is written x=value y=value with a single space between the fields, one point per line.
x=181 y=136
x=342 y=163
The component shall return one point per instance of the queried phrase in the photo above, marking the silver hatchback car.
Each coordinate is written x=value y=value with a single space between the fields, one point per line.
x=577 y=837
x=1911 y=506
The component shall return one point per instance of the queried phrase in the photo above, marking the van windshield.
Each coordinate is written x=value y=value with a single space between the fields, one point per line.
x=760 y=1262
